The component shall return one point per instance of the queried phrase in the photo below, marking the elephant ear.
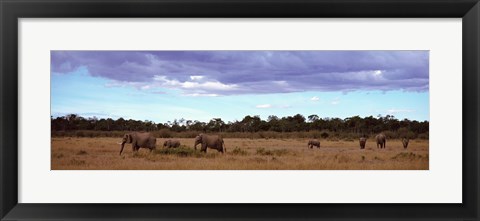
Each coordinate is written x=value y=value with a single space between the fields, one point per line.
x=129 y=138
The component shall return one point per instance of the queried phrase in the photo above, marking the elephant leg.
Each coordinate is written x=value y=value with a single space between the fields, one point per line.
x=220 y=148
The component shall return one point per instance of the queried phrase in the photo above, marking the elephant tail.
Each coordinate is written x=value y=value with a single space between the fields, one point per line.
x=224 y=148
x=122 y=145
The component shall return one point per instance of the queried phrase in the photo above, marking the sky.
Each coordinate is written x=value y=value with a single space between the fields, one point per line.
x=200 y=85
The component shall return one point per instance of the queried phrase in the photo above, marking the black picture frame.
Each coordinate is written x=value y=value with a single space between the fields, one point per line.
x=12 y=10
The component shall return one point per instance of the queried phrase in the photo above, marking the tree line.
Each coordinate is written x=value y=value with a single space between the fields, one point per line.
x=252 y=124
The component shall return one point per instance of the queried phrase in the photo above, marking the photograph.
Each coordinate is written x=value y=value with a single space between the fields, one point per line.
x=239 y=110
x=303 y=111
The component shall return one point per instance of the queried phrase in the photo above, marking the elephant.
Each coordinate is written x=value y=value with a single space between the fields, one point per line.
x=381 y=141
x=139 y=140
x=405 y=142
x=312 y=143
x=363 y=140
x=171 y=143
x=210 y=141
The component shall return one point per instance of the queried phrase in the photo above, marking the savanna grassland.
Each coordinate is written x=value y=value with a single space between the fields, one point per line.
x=102 y=153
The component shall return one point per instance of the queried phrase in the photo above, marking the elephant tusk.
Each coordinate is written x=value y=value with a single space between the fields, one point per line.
x=119 y=143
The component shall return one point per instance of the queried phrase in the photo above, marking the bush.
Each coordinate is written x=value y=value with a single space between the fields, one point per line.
x=324 y=135
x=238 y=151
x=80 y=134
x=264 y=152
x=164 y=133
x=82 y=152
x=405 y=156
x=181 y=152
x=390 y=134
x=423 y=136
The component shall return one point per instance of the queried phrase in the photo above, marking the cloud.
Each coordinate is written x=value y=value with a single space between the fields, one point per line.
x=145 y=87
x=253 y=72
x=315 y=98
x=264 y=106
x=209 y=88
x=196 y=77
x=201 y=95
x=335 y=101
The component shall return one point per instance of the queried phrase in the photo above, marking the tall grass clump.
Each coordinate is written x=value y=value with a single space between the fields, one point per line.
x=238 y=151
x=264 y=152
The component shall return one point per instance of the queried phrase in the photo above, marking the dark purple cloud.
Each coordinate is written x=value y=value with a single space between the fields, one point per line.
x=214 y=73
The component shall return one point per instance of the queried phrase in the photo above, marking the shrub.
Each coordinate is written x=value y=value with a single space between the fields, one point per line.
x=82 y=152
x=238 y=151
x=188 y=134
x=316 y=134
x=80 y=133
x=324 y=135
x=333 y=139
x=89 y=133
x=264 y=152
x=390 y=134
x=182 y=152
x=423 y=136
x=164 y=133
x=404 y=156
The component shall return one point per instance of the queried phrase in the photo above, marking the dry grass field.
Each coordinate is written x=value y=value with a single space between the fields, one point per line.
x=242 y=154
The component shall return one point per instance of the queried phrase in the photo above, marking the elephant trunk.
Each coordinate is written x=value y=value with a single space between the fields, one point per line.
x=122 y=145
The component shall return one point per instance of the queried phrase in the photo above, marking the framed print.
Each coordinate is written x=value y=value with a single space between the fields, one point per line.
x=146 y=110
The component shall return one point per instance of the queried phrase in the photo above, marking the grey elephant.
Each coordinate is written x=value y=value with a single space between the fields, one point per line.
x=381 y=140
x=210 y=141
x=405 y=142
x=312 y=143
x=139 y=140
x=363 y=141
x=171 y=143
